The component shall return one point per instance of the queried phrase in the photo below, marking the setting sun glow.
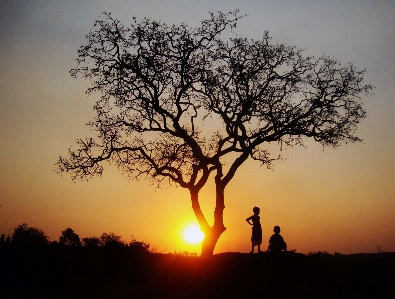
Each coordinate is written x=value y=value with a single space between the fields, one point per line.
x=192 y=234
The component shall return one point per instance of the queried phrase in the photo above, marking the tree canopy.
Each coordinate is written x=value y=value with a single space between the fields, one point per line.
x=30 y=237
x=159 y=83
x=69 y=238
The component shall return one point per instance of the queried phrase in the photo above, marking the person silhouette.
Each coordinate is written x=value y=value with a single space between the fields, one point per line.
x=256 y=237
x=276 y=241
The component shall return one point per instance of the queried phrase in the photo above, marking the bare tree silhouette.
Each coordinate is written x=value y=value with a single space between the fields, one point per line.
x=159 y=83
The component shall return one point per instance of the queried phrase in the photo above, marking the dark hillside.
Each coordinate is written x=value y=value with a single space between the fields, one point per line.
x=67 y=272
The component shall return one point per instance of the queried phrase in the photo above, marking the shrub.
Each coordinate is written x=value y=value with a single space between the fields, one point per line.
x=111 y=239
x=29 y=236
x=91 y=242
x=69 y=238
x=139 y=245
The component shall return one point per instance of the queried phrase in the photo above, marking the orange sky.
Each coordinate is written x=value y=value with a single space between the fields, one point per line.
x=333 y=200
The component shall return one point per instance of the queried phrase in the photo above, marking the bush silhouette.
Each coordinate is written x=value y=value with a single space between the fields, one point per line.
x=111 y=240
x=91 y=241
x=29 y=236
x=105 y=240
x=69 y=238
x=139 y=246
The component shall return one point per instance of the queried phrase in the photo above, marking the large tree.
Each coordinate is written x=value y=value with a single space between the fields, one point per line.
x=158 y=83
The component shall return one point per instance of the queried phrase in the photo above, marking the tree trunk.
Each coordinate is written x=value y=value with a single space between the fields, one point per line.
x=213 y=233
x=210 y=240
x=198 y=211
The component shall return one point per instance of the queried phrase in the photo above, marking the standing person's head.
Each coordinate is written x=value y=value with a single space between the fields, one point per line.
x=256 y=210
x=277 y=229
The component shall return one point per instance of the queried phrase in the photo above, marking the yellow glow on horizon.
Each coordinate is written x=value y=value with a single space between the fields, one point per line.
x=192 y=234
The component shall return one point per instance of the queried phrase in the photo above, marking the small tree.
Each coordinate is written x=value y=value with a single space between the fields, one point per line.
x=69 y=238
x=139 y=246
x=159 y=83
x=29 y=236
x=111 y=240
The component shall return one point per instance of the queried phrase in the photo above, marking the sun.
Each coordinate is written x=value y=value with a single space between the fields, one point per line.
x=192 y=234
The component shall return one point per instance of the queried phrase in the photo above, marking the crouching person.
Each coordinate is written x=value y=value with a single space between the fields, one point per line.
x=276 y=241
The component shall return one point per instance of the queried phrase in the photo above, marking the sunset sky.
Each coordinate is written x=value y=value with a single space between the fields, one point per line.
x=335 y=200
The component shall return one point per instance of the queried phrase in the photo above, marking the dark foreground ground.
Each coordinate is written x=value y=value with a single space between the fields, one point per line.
x=122 y=273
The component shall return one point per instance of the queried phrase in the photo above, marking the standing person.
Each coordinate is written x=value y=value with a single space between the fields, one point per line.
x=256 y=238
x=276 y=241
